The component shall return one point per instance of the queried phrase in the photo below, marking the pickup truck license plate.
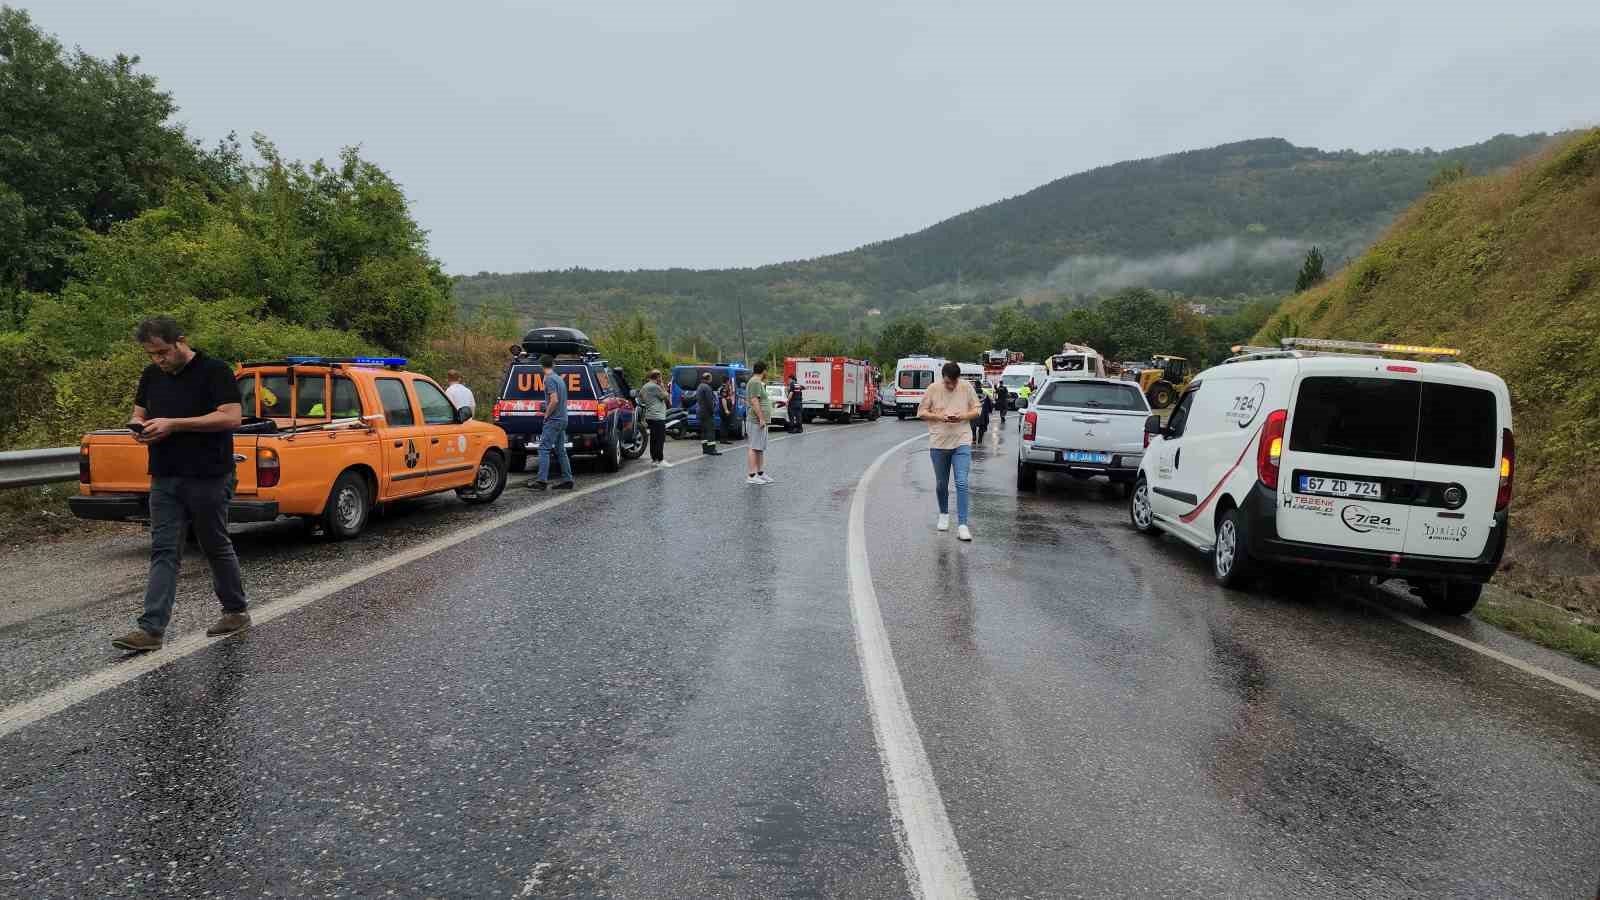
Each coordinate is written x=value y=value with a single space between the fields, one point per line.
x=1340 y=487
x=1085 y=456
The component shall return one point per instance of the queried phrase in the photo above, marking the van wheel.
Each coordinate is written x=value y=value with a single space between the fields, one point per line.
x=1139 y=510
x=1027 y=477
x=489 y=481
x=348 y=508
x=1450 y=598
x=1230 y=555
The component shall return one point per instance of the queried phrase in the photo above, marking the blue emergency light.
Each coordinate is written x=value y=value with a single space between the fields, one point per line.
x=390 y=361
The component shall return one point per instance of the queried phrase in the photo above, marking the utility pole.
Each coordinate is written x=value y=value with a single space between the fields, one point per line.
x=744 y=349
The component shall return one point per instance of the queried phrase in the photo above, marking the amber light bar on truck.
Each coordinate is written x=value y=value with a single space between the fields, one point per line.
x=1298 y=343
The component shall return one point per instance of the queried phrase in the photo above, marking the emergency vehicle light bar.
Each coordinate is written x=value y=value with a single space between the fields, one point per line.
x=1297 y=343
x=386 y=362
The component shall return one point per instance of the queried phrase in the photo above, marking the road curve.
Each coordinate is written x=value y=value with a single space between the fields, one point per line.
x=655 y=691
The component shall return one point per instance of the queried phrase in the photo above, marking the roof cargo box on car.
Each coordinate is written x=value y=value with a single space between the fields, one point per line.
x=557 y=342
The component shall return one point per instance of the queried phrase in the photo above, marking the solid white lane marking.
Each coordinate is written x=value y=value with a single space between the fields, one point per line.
x=17 y=717
x=1577 y=687
x=932 y=859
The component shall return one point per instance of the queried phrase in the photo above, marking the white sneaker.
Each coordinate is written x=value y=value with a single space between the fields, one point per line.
x=751 y=479
x=663 y=465
x=944 y=522
x=964 y=533
x=765 y=479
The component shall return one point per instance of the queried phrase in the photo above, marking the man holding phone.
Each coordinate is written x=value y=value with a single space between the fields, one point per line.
x=948 y=407
x=184 y=412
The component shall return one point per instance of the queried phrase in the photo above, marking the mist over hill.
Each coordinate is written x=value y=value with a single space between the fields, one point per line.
x=1223 y=222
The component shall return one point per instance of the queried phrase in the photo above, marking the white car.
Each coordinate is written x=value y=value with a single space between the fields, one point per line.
x=1085 y=427
x=1019 y=375
x=1352 y=459
x=779 y=395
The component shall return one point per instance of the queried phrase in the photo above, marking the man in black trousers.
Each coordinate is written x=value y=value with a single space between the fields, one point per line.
x=797 y=407
x=705 y=398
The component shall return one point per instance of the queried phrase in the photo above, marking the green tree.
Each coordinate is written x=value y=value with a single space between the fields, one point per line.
x=1014 y=329
x=632 y=346
x=1311 y=272
x=84 y=144
x=903 y=337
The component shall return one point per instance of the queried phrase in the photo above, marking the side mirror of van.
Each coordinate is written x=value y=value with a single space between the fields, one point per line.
x=1153 y=425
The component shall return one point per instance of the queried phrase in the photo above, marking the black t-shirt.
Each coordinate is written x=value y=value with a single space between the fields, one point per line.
x=202 y=386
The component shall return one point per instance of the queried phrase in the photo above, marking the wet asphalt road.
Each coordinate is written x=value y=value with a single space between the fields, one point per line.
x=653 y=691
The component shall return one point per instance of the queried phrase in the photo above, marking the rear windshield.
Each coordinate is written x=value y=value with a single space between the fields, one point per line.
x=1384 y=418
x=527 y=382
x=1093 y=395
x=687 y=379
x=1069 y=363
x=916 y=379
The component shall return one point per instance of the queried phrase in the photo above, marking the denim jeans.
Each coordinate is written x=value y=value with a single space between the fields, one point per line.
x=175 y=504
x=553 y=439
x=959 y=459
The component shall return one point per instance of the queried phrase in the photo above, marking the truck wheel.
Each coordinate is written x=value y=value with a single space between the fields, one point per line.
x=1027 y=477
x=518 y=462
x=611 y=454
x=639 y=443
x=1230 y=554
x=1139 y=510
x=1161 y=395
x=1450 y=598
x=348 y=508
x=489 y=481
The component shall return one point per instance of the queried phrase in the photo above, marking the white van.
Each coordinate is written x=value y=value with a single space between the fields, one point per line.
x=972 y=373
x=912 y=378
x=1019 y=375
x=1353 y=459
x=1077 y=361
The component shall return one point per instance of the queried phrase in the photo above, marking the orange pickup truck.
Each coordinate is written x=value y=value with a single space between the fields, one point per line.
x=324 y=439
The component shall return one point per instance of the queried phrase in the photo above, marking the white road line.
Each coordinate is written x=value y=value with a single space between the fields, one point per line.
x=928 y=849
x=1577 y=687
x=20 y=716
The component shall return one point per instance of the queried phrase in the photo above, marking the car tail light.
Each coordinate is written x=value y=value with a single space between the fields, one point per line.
x=1270 y=453
x=1030 y=422
x=267 y=470
x=83 y=465
x=1508 y=467
x=1147 y=437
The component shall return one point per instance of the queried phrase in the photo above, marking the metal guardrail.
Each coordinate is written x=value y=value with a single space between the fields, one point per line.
x=21 y=468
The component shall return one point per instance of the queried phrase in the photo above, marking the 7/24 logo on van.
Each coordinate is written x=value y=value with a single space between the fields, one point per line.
x=1364 y=521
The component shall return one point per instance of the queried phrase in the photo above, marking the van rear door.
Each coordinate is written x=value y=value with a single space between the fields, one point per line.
x=1458 y=452
x=1347 y=467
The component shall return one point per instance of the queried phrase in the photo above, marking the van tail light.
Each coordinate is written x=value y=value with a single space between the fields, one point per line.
x=1270 y=452
x=1030 y=422
x=1508 y=468
x=267 y=470
x=499 y=410
x=1147 y=437
x=83 y=465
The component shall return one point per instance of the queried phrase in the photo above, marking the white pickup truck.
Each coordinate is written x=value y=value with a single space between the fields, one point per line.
x=1084 y=427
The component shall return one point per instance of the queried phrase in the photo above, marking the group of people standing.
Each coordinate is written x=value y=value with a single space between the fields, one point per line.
x=654 y=400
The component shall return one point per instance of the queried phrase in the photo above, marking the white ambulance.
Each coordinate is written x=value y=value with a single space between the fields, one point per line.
x=912 y=378
x=1345 y=454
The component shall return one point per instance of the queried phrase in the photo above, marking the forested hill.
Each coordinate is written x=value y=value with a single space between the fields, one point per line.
x=1225 y=221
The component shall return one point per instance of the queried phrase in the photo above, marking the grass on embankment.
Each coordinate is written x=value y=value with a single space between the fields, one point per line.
x=1550 y=626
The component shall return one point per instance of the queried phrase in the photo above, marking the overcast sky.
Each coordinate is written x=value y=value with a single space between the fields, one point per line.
x=711 y=133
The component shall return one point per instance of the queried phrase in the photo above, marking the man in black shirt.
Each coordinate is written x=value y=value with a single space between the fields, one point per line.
x=185 y=411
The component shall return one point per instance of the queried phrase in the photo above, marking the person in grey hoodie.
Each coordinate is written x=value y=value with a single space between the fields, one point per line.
x=653 y=402
x=705 y=398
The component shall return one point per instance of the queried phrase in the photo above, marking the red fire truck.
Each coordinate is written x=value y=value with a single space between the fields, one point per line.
x=995 y=362
x=837 y=387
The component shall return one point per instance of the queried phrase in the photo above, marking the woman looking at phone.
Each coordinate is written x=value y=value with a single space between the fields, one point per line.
x=948 y=407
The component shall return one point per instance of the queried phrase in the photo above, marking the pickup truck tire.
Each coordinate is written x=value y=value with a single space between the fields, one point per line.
x=1450 y=598
x=611 y=454
x=639 y=443
x=1139 y=509
x=488 y=482
x=1027 y=477
x=348 y=508
x=1230 y=554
